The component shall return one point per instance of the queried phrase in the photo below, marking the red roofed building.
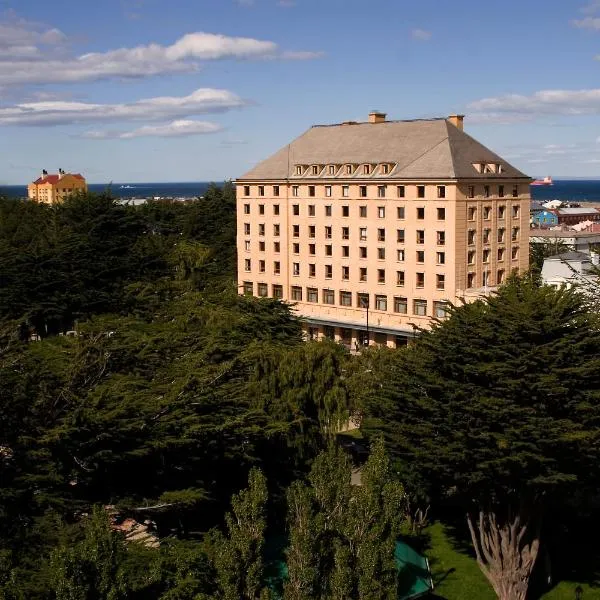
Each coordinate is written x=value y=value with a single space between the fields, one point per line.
x=51 y=188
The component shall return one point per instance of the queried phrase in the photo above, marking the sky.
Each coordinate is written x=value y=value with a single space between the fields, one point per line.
x=202 y=90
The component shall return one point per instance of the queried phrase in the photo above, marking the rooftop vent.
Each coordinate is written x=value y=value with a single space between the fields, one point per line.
x=457 y=121
x=376 y=117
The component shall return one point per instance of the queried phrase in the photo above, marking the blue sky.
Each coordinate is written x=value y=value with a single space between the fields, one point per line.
x=195 y=90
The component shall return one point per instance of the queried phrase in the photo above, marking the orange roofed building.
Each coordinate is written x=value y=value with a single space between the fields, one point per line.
x=53 y=188
x=371 y=229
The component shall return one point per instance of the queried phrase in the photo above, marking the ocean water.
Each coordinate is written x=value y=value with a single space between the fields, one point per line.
x=576 y=190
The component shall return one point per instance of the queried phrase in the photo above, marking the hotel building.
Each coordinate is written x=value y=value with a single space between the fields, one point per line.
x=51 y=188
x=372 y=228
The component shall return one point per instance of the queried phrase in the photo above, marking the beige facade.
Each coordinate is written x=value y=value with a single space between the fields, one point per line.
x=369 y=236
x=52 y=188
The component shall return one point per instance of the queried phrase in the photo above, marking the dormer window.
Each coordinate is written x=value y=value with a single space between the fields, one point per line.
x=298 y=169
x=315 y=170
x=349 y=169
x=332 y=169
x=385 y=169
x=367 y=169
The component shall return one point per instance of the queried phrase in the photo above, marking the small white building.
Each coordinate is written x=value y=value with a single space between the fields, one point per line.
x=571 y=268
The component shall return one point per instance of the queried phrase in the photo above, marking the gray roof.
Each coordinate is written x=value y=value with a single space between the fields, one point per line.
x=576 y=211
x=421 y=149
x=570 y=256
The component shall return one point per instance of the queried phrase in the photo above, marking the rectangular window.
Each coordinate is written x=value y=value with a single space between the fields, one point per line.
x=380 y=302
x=381 y=191
x=332 y=169
x=420 y=307
x=500 y=235
x=487 y=213
x=471 y=236
x=420 y=191
x=500 y=254
x=401 y=191
x=246 y=228
x=420 y=280
x=248 y=288
x=400 y=305
x=261 y=190
x=296 y=230
x=381 y=253
x=367 y=169
x=275 y=190
x=276 y=267
x=471 y=212
x=400 y=212
x=420 y=256
x=400 y=279
x=500 y=191
x=345 y=191
x=400 y=236
x=295 y=190
x=514 y=253
x=385 y=169
x=311 y=191
x=515 y=191
x=262 y=266
x=312 y=270
x=441 y=238
x=312 y=249
x=345 y=298
x=381 y=212
x=263 y=290
x=311 y=210
x=440 y=281
x=486 y=191
x=345 y=210
x=345 y=233
x=486 y=236
x=362 y=300
x=246 y=209
x=276 y=209
x=345 y=251
x=276 y=247
x=276 y=230
x=278 y=292
x=297 y=293
x=470 y=280
x=328 y=297
x=328 y=271
x=363 y=251
x=471 y=191
x=296 y=248
x=315 y=170
x=400 y=255
x=471 y=257
x=362 y=233
x=328 y=232
x=515 y=234
x=345 y=273
x=441 y=258
x=440 y=309
x=441 y=191
x=312 y=294
x=515 y=212
x=363 y=274
x=298 y=169
x=312 y=231
x=441 y=214
x=247 y=245
x=420 y=213
x=500 y=276
x=247 y=264
x=246 y=190
x=328 y=191
x=420 y=236
x=329 y=331
x=328 y=250
x=362 y=212
x=501 y=211
x=296 y=210
x=380 y=275
x=261 y=229
x=381 y=235
x=486 y=256
x=296 y=269
x=362 y=191
x=328 y=210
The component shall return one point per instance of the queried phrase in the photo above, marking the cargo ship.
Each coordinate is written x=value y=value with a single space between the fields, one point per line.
x=546 y=181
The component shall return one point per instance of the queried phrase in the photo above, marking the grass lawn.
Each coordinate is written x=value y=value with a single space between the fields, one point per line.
x=457 y=577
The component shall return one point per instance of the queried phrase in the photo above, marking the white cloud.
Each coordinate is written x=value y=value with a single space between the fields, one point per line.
x=178 y=128
x=286 y=3
x=543 y=103
x=421 y=35
x=591 y=8
x=204 y=100
x=29 y=55
x=587 y=23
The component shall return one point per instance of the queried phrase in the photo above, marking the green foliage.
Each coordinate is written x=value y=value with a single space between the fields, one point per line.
x=342 y=537
x=539 y=251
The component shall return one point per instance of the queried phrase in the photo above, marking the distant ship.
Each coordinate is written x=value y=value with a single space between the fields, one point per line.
x=546 y=181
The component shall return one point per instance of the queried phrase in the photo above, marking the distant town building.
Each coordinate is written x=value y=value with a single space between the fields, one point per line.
x=372 y=228
x=578 y=241
x=544 y=218
x=571 y=268
x=572 y=216
x=52 y=188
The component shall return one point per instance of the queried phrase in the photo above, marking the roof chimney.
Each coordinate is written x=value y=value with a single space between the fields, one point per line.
x=457 y=121
x=376 y=117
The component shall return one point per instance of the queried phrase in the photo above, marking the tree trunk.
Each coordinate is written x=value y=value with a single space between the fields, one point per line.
x=506 y=551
